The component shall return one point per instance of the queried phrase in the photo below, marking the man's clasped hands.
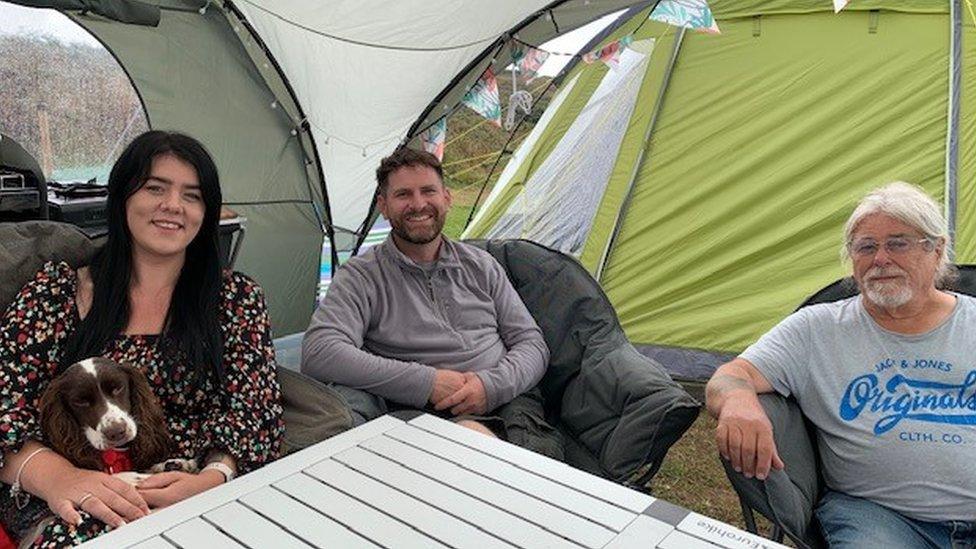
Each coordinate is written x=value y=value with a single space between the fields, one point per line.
x=461 y=392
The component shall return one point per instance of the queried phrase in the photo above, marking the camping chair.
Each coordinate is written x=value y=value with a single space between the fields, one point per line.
x=618 y=411
x=787 y=498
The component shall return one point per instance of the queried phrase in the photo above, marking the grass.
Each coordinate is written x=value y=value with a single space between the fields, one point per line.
x=463 y=203
x=692 y=476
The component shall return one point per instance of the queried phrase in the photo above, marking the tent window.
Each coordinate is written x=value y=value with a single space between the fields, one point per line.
x=560 y=199
x=63 y=96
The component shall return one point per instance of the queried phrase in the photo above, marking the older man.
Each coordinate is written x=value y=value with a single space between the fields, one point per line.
x=423 y=321
x=888 y=378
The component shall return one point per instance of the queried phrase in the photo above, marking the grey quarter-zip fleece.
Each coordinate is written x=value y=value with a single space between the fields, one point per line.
x=386 y=324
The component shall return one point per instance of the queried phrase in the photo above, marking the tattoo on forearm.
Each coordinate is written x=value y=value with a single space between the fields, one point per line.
x=724 y=383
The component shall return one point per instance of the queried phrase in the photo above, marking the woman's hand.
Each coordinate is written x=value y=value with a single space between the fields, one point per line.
x=167 y=488
x=103 y=496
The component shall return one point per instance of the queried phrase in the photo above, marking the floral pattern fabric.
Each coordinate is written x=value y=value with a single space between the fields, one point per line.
x=243 y=420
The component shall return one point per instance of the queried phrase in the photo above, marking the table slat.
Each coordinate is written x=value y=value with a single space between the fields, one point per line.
x=541 y=513
x=198 y=534
x=593 y=485
x=303 y=521
x=501 y=471
x=354 y=514
x=155 y=543
x=430 y=520
x=642 y=533
x=498 y=522
x=681 y=540
x=242 y=523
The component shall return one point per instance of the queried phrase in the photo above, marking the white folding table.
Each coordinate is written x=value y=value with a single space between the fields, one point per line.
x=426 y=483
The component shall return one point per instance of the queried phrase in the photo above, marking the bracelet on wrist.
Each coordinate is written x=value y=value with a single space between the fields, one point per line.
x=221 y=468
x=21 y=497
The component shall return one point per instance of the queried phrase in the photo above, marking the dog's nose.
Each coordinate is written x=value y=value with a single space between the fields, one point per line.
x=114 y=432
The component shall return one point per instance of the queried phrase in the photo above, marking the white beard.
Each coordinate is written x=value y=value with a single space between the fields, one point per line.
x=888 y=295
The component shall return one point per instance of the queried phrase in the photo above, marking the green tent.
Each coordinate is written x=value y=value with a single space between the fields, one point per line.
x=705 y=180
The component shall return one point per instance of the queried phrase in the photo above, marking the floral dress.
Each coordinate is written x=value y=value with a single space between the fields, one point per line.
x=244 y=420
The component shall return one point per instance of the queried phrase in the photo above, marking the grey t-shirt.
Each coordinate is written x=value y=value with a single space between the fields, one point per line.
x=895 y=414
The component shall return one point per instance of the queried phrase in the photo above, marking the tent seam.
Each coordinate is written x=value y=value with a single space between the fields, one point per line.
x=361 y=43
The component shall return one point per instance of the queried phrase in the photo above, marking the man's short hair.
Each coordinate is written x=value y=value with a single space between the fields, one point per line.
x=912 y=206
x=404 y=157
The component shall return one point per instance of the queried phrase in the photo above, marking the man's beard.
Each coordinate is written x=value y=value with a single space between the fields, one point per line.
x=419 y=235
x=890 y=294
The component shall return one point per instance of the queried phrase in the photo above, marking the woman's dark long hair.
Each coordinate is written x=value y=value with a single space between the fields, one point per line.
x=192 y=321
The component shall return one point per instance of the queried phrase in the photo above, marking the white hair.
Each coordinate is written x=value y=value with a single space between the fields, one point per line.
x=912 y=206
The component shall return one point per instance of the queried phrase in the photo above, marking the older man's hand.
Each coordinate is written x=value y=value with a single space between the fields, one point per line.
x=469 y=399
x=745 y=437
x=446 y=383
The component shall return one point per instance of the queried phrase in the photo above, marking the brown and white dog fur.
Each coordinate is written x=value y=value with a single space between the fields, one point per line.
x=98 y=404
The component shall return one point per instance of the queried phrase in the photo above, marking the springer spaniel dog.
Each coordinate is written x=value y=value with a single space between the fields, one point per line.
x=102 y=415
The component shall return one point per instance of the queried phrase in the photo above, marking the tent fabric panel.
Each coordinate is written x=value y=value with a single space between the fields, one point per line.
x=194 y=77
x=739 y=207
x=125 y=11
x=965 y=244
x=633 y=147
x=560 y=199
x=732 y=9
x=281 y=250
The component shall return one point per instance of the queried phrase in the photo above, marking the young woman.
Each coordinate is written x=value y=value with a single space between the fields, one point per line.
x=154 y=296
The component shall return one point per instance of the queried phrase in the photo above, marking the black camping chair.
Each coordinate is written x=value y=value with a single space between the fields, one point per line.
x=787 y=498
x=620 y=411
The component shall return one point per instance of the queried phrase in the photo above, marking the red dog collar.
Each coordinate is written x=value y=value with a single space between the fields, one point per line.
x=116 y=460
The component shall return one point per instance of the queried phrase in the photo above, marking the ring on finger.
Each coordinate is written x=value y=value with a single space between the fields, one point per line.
x=85 y=498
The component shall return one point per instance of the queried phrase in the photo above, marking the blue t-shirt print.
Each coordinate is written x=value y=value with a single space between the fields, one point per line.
x=903 y=397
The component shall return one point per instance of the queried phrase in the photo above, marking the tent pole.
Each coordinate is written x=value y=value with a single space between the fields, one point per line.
x=952 y=122
x=304 y=126
x=622 y=212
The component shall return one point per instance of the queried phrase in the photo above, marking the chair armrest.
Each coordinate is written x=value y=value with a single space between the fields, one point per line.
x=626 y=411
x=312 y=411
x=787 y=497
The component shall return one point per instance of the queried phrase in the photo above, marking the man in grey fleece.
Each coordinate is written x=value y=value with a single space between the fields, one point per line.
x=421 y=320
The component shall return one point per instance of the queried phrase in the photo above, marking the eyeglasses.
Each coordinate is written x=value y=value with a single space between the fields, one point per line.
x=896 y=245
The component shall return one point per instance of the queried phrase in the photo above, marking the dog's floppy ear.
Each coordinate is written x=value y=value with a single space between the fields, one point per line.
x=63 y=431
x=152 y=443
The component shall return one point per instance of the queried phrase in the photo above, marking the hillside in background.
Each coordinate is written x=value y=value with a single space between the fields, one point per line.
x=70 y=105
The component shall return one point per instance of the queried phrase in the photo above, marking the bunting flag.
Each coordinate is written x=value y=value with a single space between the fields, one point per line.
x=433 y=138
x=528 y=60
x=483 y=98
x=609 y=54
x=839 y=5
x=692 y=14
